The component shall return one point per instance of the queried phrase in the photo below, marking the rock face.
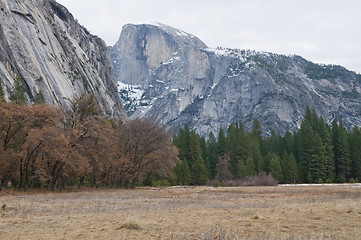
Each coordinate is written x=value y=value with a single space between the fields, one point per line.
x=44 y=46
x=172 y=75
x=142 y=48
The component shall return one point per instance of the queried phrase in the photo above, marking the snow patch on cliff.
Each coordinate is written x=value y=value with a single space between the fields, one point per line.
x=131 y=96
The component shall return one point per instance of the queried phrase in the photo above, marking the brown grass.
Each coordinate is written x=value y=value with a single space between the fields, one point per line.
x=278 y=212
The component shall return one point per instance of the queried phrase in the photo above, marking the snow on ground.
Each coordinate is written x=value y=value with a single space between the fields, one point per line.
x=358 y=185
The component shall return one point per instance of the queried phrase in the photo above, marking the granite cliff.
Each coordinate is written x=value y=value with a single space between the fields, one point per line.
x=53 y=55
x=170 y=74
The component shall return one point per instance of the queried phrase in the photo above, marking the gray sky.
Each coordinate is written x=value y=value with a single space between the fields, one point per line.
x=324 y=31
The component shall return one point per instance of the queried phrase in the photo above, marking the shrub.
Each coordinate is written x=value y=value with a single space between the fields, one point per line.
x=328 y=180
x=147 y=182
x=130 y=226
x=262 y=179
x=341 y=179
x=223 y=184
x=161 y=183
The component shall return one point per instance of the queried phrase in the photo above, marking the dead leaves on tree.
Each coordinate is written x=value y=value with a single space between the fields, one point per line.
x=46 y=147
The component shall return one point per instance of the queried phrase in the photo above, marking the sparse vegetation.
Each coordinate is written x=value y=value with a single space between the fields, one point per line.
x=275 y=212
x=39 y=99
x=18 y=93
x=161 y=183
x=2 y=93
x=320 y=71
x=130 y=226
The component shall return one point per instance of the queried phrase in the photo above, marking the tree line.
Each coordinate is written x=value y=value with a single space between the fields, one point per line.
x=316 y=153
x=44 y=147
x=47 y=148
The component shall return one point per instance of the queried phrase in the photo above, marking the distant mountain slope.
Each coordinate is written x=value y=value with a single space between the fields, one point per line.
x=44 y=46
x=174 y=76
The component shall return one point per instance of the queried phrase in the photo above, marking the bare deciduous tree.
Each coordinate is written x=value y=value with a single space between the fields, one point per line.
x=13 y=126
x=145 y=148
x=44 y=147
x=223 y=172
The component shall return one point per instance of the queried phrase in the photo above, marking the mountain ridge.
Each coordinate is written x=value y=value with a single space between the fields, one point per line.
x=211 y=88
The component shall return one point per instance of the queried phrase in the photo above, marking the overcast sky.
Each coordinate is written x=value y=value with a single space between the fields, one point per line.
x=324 y=31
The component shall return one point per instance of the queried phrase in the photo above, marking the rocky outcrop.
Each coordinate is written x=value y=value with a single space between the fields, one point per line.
x=172 y=75
x=44 y=46
x=142 y=48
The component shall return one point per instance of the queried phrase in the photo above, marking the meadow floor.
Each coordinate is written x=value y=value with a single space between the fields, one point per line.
x=281 y=212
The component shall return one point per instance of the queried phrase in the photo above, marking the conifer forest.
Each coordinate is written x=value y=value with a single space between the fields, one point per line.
x=316 y=153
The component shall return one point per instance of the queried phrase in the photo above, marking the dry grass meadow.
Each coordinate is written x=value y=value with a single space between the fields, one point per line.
x=281 y=212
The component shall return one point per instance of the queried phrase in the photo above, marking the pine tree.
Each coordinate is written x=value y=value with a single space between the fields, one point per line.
x=275 y=143
x=355 y=152
x=255 y=153
x=284 y=164
x=288 y=142
x=317 y=171
x=233 y=142
x=212 y=154
x=314 y=119
x=199 y=173
x=250 y=167
x=308 y=115
x=195 y=148
x=264 y=165
x=315 y=149
x=183 y=142
x=275 y=168
x=292 y=171
x=256 y=132
x=325 y=135
x=243 y=144
x=222 y=143
x=341 y=151
x=182 y=174
x=2 y=93
x=203 y=146
x=296 y=143
x=175 y=140
x=241 y=169
x=306 y=142
x=18 y=93
x=40 y=99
